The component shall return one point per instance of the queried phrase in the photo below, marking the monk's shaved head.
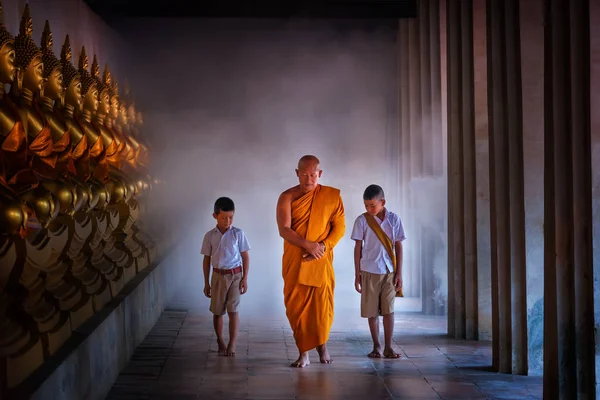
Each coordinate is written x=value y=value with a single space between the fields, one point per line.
x=308 y=173
x=308 y=160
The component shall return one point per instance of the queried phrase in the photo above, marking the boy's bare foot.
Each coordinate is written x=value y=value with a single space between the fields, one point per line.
x=230 y=351
x=222 y=348
x=302 y=361
x=390 y=353
x=376 y=353
x=324 y=354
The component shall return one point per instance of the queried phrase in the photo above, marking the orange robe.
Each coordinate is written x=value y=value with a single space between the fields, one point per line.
x=308 y=286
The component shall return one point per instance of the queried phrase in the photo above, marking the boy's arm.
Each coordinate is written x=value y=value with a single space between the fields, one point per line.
x=245 y=268
x=357 y=257
x=206 y=270
x=398 y=274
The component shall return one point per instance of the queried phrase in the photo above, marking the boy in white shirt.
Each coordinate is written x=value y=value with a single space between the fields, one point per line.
x=225 y=248
x=378 y=236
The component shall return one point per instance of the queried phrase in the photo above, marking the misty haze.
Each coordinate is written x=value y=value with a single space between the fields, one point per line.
x=234 y=104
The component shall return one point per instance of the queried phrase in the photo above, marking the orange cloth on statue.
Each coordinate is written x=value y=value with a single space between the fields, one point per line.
x=80 y=156
x=14 y=152
x=41 y=152
x=308 y=286
x=97 y=148
x=112 y=154
x=62 y=149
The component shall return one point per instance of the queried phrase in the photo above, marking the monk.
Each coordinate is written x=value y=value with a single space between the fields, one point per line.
x=310 y=218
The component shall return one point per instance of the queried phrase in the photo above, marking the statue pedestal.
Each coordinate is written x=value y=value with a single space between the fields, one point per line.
x=142 y=261
x=129 y=273
x=102 y=297
x=59 y=336
x=80 y=315
x=116 y=285
x=23 y=364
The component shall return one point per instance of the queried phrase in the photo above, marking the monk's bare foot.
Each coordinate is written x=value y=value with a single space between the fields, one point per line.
x=222 y=347
x=390 y=353
x=302 y=361
x=324 y=354
x=230 y=351
x=376 y=353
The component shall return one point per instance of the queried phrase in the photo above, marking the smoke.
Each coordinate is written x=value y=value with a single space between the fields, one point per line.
x=230 y=106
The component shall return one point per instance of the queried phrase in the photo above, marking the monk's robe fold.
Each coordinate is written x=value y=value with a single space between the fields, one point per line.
x=308 y=285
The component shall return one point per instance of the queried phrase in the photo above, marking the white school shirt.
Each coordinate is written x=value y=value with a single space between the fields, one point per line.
x=225 y=249
x=375 y=258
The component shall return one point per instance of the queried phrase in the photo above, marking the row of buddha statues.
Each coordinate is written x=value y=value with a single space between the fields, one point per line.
x=73 y=183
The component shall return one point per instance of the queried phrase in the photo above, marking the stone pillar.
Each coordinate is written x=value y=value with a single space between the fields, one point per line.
x=413 y=270
x=514 y=109
x=569 y=370
x=456 y=289
x=582 y=196
x=469 y=179
x=404 y=96
x=437 y=149
x=506 y=186
x=427 y=250
x=436 y=88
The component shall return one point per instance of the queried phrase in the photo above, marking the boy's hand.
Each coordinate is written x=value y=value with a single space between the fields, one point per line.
x=357 y=284
x=207 y=291
x=243 y=286
x=397 y=282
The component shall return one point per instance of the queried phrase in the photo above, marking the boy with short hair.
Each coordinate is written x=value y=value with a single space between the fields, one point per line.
x=225 y=248
x=378 y=236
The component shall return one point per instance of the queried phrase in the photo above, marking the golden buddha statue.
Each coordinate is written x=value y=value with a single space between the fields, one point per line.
x=88 y=226
x=29 y=82
x=114 y=245
x=52 y=96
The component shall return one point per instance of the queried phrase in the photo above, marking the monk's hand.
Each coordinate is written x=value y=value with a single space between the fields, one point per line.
x=357 y=284
x=243 y=286
x=316 y=250
x=207 y=291
x=397 y=282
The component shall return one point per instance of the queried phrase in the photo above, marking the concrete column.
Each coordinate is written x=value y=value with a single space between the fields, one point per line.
x=469 y=179
x=569 y=370
x=427 y=250
x=582 y=196
x=436 y=88
x=456 y=290
x=499 y=176
x=413 y=272
x=563 y=196
x=550 y=380
x=438 y=136
x=404 y=114
x=514 y=109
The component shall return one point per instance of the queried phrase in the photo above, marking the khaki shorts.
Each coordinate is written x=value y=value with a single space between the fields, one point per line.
x=378 y=294
x=224 y=293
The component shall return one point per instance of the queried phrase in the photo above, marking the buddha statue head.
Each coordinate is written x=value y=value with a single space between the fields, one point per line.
x=53 y=74
x=113 y=90
x=71 y=78
x=30 y=68
x=7 y=54
x=123 y=117
x=89 y=86
x=103 y=90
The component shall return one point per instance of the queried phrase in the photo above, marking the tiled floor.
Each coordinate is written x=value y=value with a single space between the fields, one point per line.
x=178 y=360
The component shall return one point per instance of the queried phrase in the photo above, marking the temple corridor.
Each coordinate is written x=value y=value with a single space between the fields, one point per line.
x=121 y=123
x=178 y=360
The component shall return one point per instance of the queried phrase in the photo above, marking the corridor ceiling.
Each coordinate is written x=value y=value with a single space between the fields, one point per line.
x=394 y=9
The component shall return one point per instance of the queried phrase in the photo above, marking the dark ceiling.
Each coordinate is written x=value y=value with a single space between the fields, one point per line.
x=110 y=9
